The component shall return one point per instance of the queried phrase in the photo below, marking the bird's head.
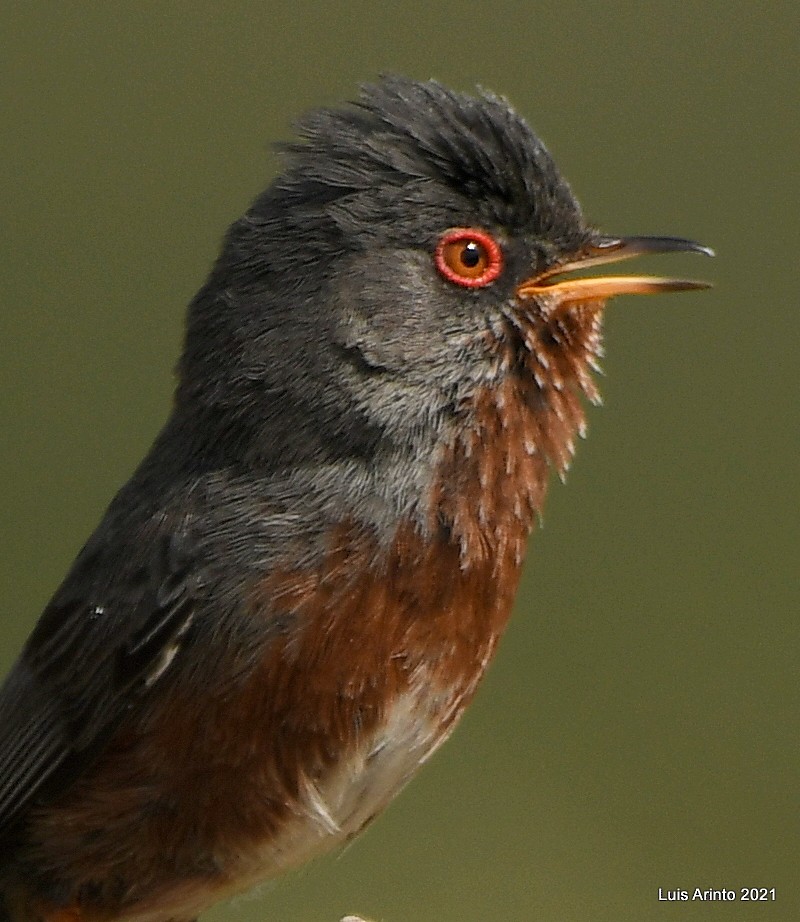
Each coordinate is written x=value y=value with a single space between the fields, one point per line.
x=418 y=247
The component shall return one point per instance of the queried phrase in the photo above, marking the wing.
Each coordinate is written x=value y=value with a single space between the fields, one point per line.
x=108 y=634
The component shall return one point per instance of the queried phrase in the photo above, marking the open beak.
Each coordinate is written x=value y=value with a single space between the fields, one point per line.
x=604 y=250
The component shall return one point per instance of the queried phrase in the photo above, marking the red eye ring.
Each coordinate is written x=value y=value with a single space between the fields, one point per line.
x=469 y=257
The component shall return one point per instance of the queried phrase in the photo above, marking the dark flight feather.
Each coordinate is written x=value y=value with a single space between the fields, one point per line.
x=83 y=664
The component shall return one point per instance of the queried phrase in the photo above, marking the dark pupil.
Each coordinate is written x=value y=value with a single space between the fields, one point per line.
x=471 y=255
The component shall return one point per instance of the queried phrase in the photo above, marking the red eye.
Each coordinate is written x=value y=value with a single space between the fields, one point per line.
x=469 y=257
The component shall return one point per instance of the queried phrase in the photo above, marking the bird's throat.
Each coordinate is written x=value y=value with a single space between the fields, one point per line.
x=493 y=478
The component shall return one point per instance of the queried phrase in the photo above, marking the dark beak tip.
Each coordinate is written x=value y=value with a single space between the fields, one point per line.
x=648 y=246
x=692 y=285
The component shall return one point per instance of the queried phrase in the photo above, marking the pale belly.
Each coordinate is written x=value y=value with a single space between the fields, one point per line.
x=329 y=812
x=333 y=811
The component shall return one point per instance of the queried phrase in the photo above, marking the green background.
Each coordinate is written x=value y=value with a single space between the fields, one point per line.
x=639 y=728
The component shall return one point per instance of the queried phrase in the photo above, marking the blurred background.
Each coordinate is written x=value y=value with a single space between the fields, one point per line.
x=639 y=728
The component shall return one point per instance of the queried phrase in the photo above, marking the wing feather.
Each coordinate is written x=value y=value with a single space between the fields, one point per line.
x=109 y=633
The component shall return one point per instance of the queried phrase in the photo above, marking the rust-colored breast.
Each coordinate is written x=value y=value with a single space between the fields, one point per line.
x=223 y=792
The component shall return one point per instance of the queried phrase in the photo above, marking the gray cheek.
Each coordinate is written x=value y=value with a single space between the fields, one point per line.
x=396 y=323
x=406 y=380
x=410 y=343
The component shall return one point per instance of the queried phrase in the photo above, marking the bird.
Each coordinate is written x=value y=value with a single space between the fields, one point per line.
x=285 y=611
